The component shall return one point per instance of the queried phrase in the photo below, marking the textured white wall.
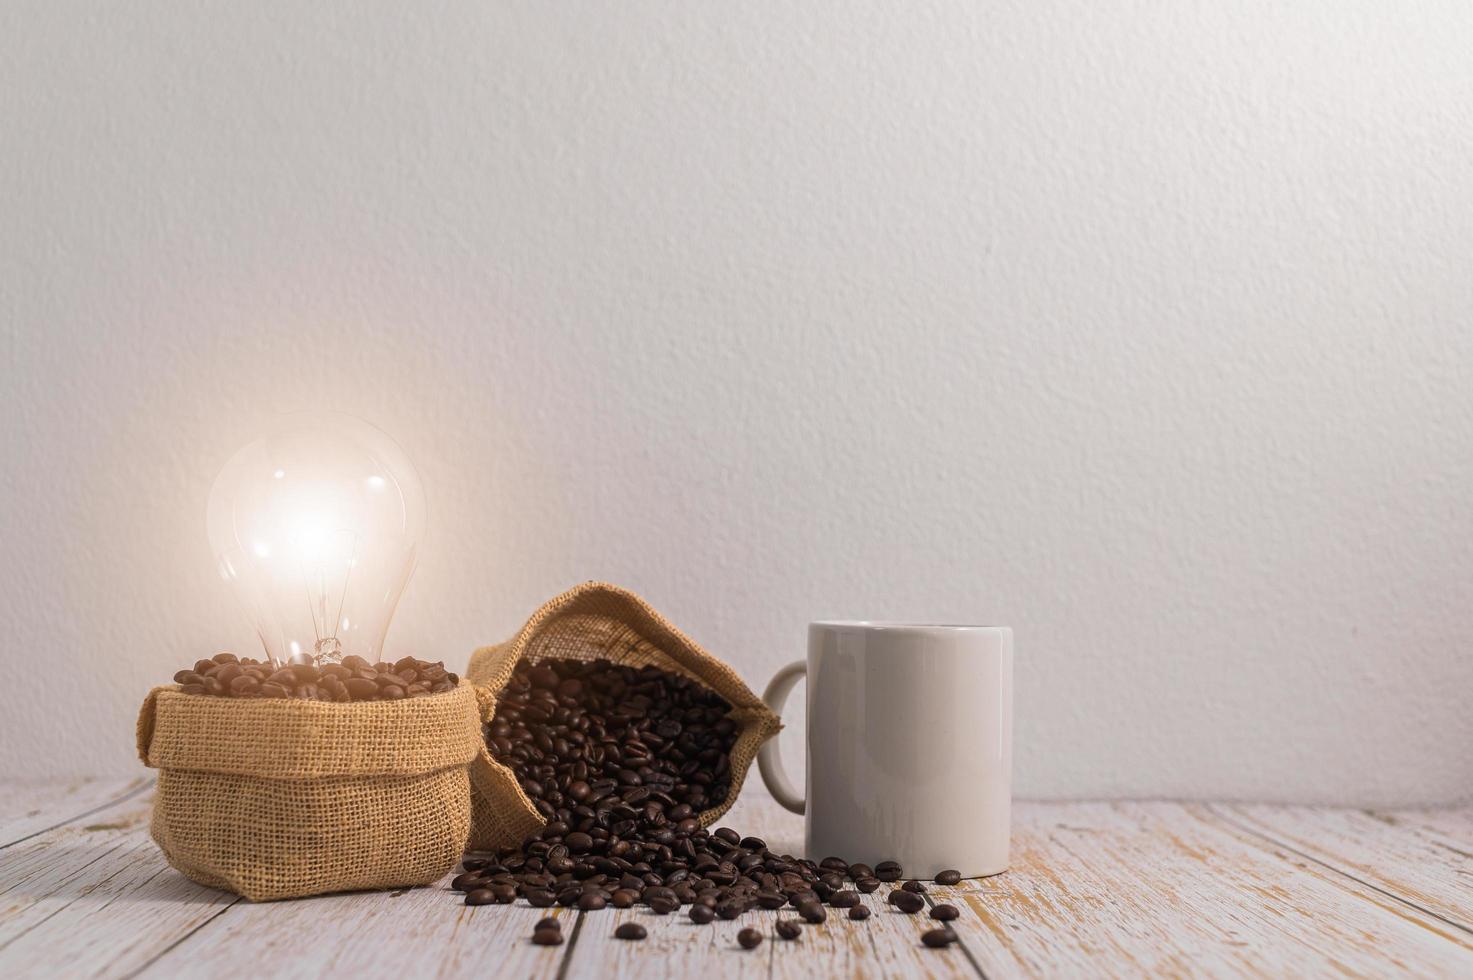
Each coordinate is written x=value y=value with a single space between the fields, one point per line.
x=1146 y=328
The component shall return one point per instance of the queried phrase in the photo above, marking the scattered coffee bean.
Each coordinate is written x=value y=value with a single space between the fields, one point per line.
x=867 y=885
x=749 y=938
x=547 y=937
x=937 y=938
x=630 y=930
x=948 y=877
x=702 y=914
x=844 y=899
x=549 y=922
x=907 y=902
x=592 y=901
x=859 y=913
x=480 y=896
x=812 y=912
x=914 y=886
x=944 y=913
x=355 y=679
x=888 y=871
x=788 y=928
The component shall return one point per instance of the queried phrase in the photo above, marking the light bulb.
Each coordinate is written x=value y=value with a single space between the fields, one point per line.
x=317 y=525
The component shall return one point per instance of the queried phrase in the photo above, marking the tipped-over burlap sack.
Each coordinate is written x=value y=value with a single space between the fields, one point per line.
x=587 y=622
x=277 y=798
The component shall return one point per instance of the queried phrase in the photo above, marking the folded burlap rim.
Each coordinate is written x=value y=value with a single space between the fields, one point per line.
x=284 y=738
x=589 y=621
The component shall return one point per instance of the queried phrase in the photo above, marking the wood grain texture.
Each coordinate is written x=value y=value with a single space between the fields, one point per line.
x=1383 y=851
x=1127 y=889
x=94 y=897
x=1097 y=889
x=30 y=809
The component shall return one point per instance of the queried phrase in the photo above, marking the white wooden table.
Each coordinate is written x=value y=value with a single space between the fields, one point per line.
x=1096 y=889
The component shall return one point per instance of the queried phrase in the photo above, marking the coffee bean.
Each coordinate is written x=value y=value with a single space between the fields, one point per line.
x=812 y=912
x=540 y=898
x=749 y=938
x=188 y=677
x=948 y=877
x=944 y=913
x=479 y=896
x=888 y=871
x=663 y=905
x=788 y=928
x=844 y=899
x=702 y=914
x=547 y=937
x=867 y=885
x=907 y=902
x=467 y=881
x=771 y=899
x=859 y=913
x=630 y=930
x=244 y=686
x=937 y=938
x=549 y=922
x=592 y=901
x=914 y=886
x=858 y=871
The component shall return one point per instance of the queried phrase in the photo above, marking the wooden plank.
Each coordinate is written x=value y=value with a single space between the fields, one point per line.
x=1132 y=889
x=1381 y=851
x=28 y=809
x=1097 y=889
x=94 y=897
x=1447 y=828
x=415 y=932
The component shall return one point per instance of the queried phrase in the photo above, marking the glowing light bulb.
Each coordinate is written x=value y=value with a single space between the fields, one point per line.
x=318 y=525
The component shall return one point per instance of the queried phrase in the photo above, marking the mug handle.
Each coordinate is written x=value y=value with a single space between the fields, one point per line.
x=769 y=762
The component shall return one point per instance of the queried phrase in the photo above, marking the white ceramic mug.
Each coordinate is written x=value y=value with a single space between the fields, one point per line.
x=910 y=745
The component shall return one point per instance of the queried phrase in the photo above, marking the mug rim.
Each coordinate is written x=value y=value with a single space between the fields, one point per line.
x=880 y=625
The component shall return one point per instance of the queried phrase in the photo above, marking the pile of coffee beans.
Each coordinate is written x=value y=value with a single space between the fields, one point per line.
x=642 y=746
x=621 y=761
x=353 y=679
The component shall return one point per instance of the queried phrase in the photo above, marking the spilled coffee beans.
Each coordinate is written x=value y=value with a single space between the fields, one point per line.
x=621 y=762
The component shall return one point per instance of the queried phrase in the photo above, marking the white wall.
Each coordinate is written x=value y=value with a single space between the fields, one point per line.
x=1146 y=328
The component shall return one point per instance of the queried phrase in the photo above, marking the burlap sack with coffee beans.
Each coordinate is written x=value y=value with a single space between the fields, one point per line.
x=587 y=622
x=279 y=798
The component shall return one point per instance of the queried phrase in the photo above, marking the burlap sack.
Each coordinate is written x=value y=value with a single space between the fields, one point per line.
x=281 y=798
x=586 y=622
